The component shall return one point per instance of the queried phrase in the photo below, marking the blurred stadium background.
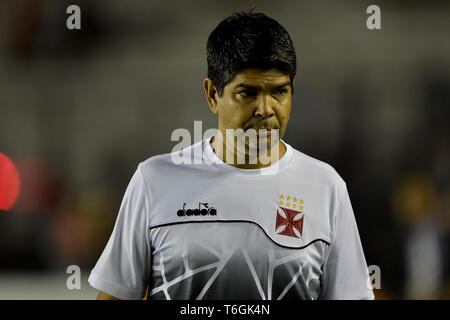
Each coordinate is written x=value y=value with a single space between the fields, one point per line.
x=80 y=109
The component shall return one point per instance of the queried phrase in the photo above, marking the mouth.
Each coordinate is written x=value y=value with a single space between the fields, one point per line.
x=265 y=132
x=261 y=128
x=268 y=130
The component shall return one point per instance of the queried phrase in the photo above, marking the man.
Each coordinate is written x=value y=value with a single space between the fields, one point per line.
x=249 y=217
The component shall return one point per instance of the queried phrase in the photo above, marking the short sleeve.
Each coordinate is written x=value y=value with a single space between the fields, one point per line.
x=123 y=268
x=345 y=273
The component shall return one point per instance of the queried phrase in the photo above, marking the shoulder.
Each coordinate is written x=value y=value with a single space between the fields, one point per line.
x=169 y=164
x=155 y=162
x=317 y=171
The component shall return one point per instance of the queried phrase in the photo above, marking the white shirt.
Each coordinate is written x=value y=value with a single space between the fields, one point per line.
x=286 y=231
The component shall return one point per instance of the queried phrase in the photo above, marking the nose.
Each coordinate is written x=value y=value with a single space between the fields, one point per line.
x=265 y=107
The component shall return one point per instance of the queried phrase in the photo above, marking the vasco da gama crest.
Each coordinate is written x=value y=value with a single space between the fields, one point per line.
x=289 y=221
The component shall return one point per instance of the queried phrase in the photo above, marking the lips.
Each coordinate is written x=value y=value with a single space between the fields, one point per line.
x=259 y=128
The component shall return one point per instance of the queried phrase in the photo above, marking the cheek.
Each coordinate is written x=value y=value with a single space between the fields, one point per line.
x=283 y=119
x=287 y=115
x=234 y=114
x=285 y=112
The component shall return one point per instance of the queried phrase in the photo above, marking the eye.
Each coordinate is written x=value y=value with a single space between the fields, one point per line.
x=281 y=92
x=246 y=93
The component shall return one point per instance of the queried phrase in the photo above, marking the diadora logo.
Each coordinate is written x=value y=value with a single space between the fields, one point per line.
x=211 y=211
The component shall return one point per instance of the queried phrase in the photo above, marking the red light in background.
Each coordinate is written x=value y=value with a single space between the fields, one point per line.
x=9 y=183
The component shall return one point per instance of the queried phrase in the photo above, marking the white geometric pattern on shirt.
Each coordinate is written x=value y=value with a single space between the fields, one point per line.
x=223 y=259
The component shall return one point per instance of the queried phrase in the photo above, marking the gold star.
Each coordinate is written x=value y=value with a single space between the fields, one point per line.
x=288 y=205
x=281 y=203
x=288 y=198
x=301 y=207
x=295 y=199
x=301 y=201
x=295 y=206
x=281 y=197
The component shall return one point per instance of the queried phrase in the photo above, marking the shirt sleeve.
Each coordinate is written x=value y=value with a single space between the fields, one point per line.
x=123 y=268
x=345 y=274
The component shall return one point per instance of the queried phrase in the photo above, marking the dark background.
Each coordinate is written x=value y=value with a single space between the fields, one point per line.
x=80 y=109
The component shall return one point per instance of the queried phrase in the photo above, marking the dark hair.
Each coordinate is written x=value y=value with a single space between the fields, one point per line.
x=248 y=40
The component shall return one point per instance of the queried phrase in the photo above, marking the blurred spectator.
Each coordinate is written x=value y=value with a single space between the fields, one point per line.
x=24 y=229
x=83 y=223
x=414 y=201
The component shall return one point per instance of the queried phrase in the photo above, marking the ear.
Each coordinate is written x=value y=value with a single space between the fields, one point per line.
x=212 y=94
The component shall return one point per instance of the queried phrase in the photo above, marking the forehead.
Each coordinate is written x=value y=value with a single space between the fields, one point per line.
x=260 y=78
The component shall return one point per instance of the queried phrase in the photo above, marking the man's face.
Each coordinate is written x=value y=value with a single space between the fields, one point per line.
x=255 y=99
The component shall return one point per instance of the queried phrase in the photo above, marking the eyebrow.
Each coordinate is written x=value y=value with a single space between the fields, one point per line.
x=247 y=86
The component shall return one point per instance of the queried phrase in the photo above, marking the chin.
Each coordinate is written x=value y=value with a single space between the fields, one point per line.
x=266 y=142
